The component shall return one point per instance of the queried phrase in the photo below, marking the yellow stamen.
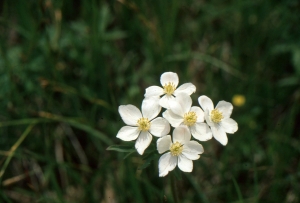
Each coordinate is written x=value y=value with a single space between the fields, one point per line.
x=190 y=118
x=169 y=88
x=216 y=116
x=143 y=124
x=176 y=149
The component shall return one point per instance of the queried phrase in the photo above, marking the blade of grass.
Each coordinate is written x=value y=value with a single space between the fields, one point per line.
x=5 y=197
x=14 y=148
x=48 y=117
x=208 y=59
x=56 y=186
x=256 y=191
x=16 y=179
x=237 y=188
x=63 y=88
x=23 y=122
x=78 y=125
x=200 y=194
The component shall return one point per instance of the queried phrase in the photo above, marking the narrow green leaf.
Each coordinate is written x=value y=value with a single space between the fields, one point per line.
x=128 y=154
x=238 y=190
x=121 y=148
x=150 y=157
x=14 y=148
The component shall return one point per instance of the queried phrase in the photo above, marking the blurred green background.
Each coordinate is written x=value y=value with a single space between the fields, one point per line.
x=66 y=66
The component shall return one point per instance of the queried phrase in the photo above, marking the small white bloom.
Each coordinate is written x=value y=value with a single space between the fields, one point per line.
x=142 y=125
x=218 y=118
x=169 y=81
x=181 y=151
x=182 y=112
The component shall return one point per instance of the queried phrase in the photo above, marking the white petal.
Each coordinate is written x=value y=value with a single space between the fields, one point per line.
x=163 y=144
x=185 y=102
x=192 y=150
x=201 y=131
x=225 y=108
x=143 y=142
x=128 y=133
x=130 y=114
x=229 y=125
x=166 y=163
x=199 y=113
x=185 y=164
x=187 y=88
x=173 y=119
x=207 y=118
x=206 y=103
x=176 y=107
x=220 y=135
x=167 y=77
x=159 y=127
x=154 y=91
x=150 y=107
x=164 y=101
x=181 y=134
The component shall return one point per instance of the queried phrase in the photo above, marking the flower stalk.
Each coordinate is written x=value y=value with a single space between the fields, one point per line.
x=174 y=189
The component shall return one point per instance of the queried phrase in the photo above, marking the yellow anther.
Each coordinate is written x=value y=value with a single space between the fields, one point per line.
x=169 y=88
x=190 y=118
x=176 y=149
x=143 y=124
x=216 y=116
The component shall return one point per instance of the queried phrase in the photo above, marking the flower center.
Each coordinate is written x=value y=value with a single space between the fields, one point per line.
x=190 y=118
x=143 y=124
x=216 y=116
x=176 y=149
x=169 y=88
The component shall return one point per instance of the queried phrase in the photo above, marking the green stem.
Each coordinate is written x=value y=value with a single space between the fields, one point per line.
x=174 y=188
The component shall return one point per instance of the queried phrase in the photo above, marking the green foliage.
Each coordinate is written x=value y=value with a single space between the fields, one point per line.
x=66 y=66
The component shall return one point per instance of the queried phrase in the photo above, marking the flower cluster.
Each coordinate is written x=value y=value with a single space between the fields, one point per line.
x=188 y=121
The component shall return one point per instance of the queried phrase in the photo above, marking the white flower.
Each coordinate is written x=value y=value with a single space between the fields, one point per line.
x=181 y=151
x=142 y=125
x=182 y=112
x=169 y=81
x=218 y=118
